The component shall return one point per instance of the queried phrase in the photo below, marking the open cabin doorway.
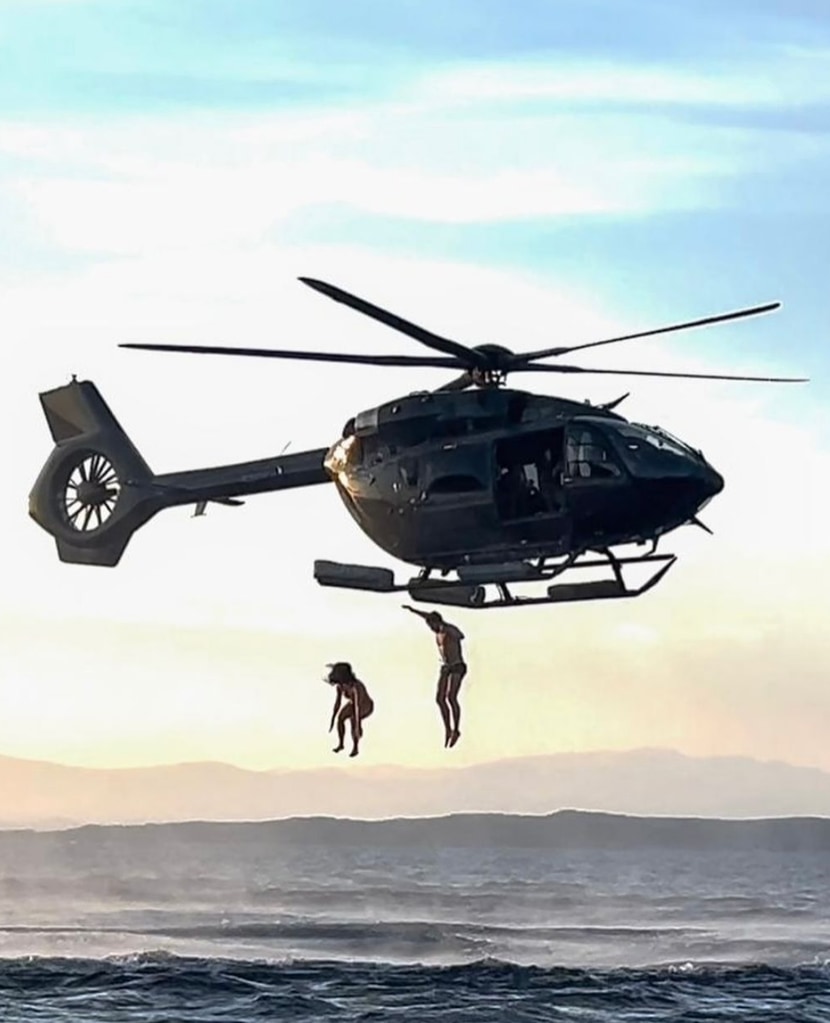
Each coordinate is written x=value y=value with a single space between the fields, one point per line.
x=529 y=471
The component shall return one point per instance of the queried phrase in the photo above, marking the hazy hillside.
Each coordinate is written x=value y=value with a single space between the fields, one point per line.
x=641 y=782
x=566 y=829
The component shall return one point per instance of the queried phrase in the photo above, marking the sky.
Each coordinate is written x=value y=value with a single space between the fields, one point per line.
x=533 y=174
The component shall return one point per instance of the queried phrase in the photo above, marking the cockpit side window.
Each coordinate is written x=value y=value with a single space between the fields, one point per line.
x=588 y=455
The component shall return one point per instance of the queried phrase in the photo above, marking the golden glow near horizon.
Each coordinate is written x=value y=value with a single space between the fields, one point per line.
x=717 y=661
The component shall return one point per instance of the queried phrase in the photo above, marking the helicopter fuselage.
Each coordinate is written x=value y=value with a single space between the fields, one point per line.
x=496 y=485
x=441 y=479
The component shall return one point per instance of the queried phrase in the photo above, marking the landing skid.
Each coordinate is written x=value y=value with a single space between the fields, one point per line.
x=485 y=586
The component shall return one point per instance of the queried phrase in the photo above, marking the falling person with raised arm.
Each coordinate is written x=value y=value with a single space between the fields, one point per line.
x=453 y=669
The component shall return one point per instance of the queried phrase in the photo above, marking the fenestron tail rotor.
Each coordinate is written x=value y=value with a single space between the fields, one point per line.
x=483 y=365
x=91 y=492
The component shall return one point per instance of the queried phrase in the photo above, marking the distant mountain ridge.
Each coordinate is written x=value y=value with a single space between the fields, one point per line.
x=565 y=829
x=648 y=782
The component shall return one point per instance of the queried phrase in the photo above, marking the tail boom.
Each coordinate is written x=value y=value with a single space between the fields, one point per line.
x=285 y=472
x=95 y=489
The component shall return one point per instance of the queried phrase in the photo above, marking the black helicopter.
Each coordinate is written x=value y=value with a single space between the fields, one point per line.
x=480 y=486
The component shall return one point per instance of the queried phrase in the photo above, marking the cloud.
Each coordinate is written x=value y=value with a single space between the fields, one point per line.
x=464 y=145
x=801 y=77
x=181 y=183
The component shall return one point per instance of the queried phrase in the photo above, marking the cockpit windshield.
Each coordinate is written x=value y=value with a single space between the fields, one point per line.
x=635 y=434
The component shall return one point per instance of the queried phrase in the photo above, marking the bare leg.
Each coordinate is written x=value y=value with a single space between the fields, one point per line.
x=357 y=732
x=453 y=687
x=441 y=700
x=341 y=728
x=360 y=715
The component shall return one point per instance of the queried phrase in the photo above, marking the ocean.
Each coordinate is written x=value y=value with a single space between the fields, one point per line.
x=210 y=922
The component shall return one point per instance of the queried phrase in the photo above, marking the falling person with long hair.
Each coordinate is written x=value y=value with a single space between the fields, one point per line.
x=352 y=705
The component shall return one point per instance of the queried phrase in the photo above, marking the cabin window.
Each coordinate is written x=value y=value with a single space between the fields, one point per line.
x=455 y=484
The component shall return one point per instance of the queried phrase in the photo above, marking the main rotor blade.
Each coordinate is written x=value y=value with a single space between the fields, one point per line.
x=544 y=353
x=426 y=337
x=654 y=373
x=277 y=353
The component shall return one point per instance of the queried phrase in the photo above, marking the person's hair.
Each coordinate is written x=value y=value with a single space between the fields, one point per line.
x=433 y=618
x=340 y=671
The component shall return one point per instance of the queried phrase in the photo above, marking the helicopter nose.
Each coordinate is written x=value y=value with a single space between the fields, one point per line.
x=711 y=481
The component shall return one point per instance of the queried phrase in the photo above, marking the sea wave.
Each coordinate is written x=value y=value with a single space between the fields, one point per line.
x=417 y=942
x=155 y=986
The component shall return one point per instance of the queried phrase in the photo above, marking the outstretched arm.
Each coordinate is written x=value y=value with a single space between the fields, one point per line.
x=415 y=611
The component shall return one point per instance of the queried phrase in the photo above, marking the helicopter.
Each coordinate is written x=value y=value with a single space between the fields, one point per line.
x=482 y=487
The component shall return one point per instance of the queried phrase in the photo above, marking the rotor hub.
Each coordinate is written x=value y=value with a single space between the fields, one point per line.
x=494 y=373
x=488 y=377
x=93 y=493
